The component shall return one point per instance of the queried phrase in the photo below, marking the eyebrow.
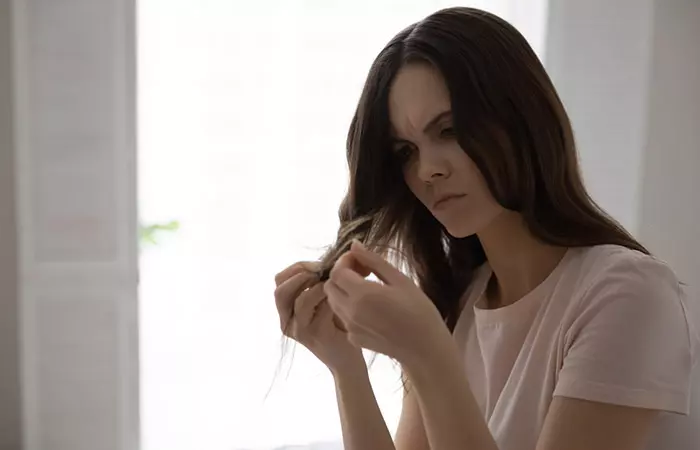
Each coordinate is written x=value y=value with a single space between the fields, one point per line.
x=433 y=122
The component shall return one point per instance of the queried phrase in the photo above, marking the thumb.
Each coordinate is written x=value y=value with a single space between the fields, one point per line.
x=376 y=264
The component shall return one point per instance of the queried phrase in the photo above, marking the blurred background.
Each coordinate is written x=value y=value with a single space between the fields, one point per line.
x=139 y=235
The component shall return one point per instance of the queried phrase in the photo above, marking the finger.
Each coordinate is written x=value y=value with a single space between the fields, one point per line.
x=336 y=296
x=377 y=264
x=338 y=322
x=296 y=268
x=305 y=305
x=324 y=312
x=348 y=280
x=325 y=317
x=287 y=273
x=348 y=261
x=287 y=292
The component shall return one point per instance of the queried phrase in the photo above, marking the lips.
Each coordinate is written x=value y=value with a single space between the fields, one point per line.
x=444 y=198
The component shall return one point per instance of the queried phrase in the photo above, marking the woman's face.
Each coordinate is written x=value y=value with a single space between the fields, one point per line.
x=436 y=169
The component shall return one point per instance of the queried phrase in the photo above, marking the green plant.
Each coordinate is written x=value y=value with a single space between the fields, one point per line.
x=148 y=234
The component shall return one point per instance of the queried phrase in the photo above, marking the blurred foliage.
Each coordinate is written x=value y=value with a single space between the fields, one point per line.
x=149 y=234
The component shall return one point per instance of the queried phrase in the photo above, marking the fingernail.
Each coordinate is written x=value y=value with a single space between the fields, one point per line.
x=357 y=244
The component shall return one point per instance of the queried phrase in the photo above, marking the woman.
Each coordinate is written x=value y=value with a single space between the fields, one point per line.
x=527 y=318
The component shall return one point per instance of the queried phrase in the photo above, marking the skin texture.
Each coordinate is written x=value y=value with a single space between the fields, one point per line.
x=434 y=163
x=306 y=317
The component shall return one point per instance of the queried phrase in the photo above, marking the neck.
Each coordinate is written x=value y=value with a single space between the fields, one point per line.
x=519 y=261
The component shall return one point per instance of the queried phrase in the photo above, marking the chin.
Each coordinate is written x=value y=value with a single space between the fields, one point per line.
x=460 y=233
x=459 y=230
x=466 y=226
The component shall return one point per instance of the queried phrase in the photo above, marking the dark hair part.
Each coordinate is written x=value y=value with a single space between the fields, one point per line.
x=509 y=120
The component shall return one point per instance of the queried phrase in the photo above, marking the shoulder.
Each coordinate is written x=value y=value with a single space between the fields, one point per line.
x=606 y=269
x=628 y=336
x=622 y=289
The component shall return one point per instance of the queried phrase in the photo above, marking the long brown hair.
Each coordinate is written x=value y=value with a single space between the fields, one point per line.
x=509 y=120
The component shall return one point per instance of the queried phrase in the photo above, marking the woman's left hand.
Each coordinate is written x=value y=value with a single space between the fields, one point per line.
x=394 y=317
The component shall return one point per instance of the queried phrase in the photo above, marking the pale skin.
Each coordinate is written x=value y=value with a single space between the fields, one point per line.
x=336 y=318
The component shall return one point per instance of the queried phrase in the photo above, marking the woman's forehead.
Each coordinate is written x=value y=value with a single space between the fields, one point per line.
x=417 y=95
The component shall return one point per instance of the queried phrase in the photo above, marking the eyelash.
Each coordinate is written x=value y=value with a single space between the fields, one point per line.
x=447 y=132
x=404 y=152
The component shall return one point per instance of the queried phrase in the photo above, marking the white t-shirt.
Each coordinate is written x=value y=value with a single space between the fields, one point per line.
x=609 y=324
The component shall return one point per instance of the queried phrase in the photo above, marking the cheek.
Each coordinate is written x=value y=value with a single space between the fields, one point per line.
x=479 y=189
x=473 y=181
x=414 y=183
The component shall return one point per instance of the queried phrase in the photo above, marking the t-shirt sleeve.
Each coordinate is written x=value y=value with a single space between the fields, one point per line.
x=631 y=341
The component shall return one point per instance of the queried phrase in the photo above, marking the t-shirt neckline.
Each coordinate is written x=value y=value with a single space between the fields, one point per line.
x=519 y=309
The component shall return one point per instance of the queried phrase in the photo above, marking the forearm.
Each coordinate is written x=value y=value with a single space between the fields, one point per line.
x=451 y=416
x=361 y=419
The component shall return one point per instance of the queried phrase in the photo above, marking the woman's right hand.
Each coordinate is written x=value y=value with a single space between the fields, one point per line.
x=306 y=317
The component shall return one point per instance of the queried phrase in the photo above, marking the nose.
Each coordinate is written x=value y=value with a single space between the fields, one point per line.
x=432 y=166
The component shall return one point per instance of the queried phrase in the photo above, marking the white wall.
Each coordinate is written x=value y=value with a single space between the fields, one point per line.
x=598 y=54
x=629 y=75
x=669 y=214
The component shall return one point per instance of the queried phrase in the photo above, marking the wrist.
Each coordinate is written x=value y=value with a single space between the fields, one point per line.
x=440 y=357
x=350 y=366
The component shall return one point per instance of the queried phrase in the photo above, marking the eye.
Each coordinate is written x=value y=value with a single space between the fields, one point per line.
x=403 y=153
x=447 y=132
